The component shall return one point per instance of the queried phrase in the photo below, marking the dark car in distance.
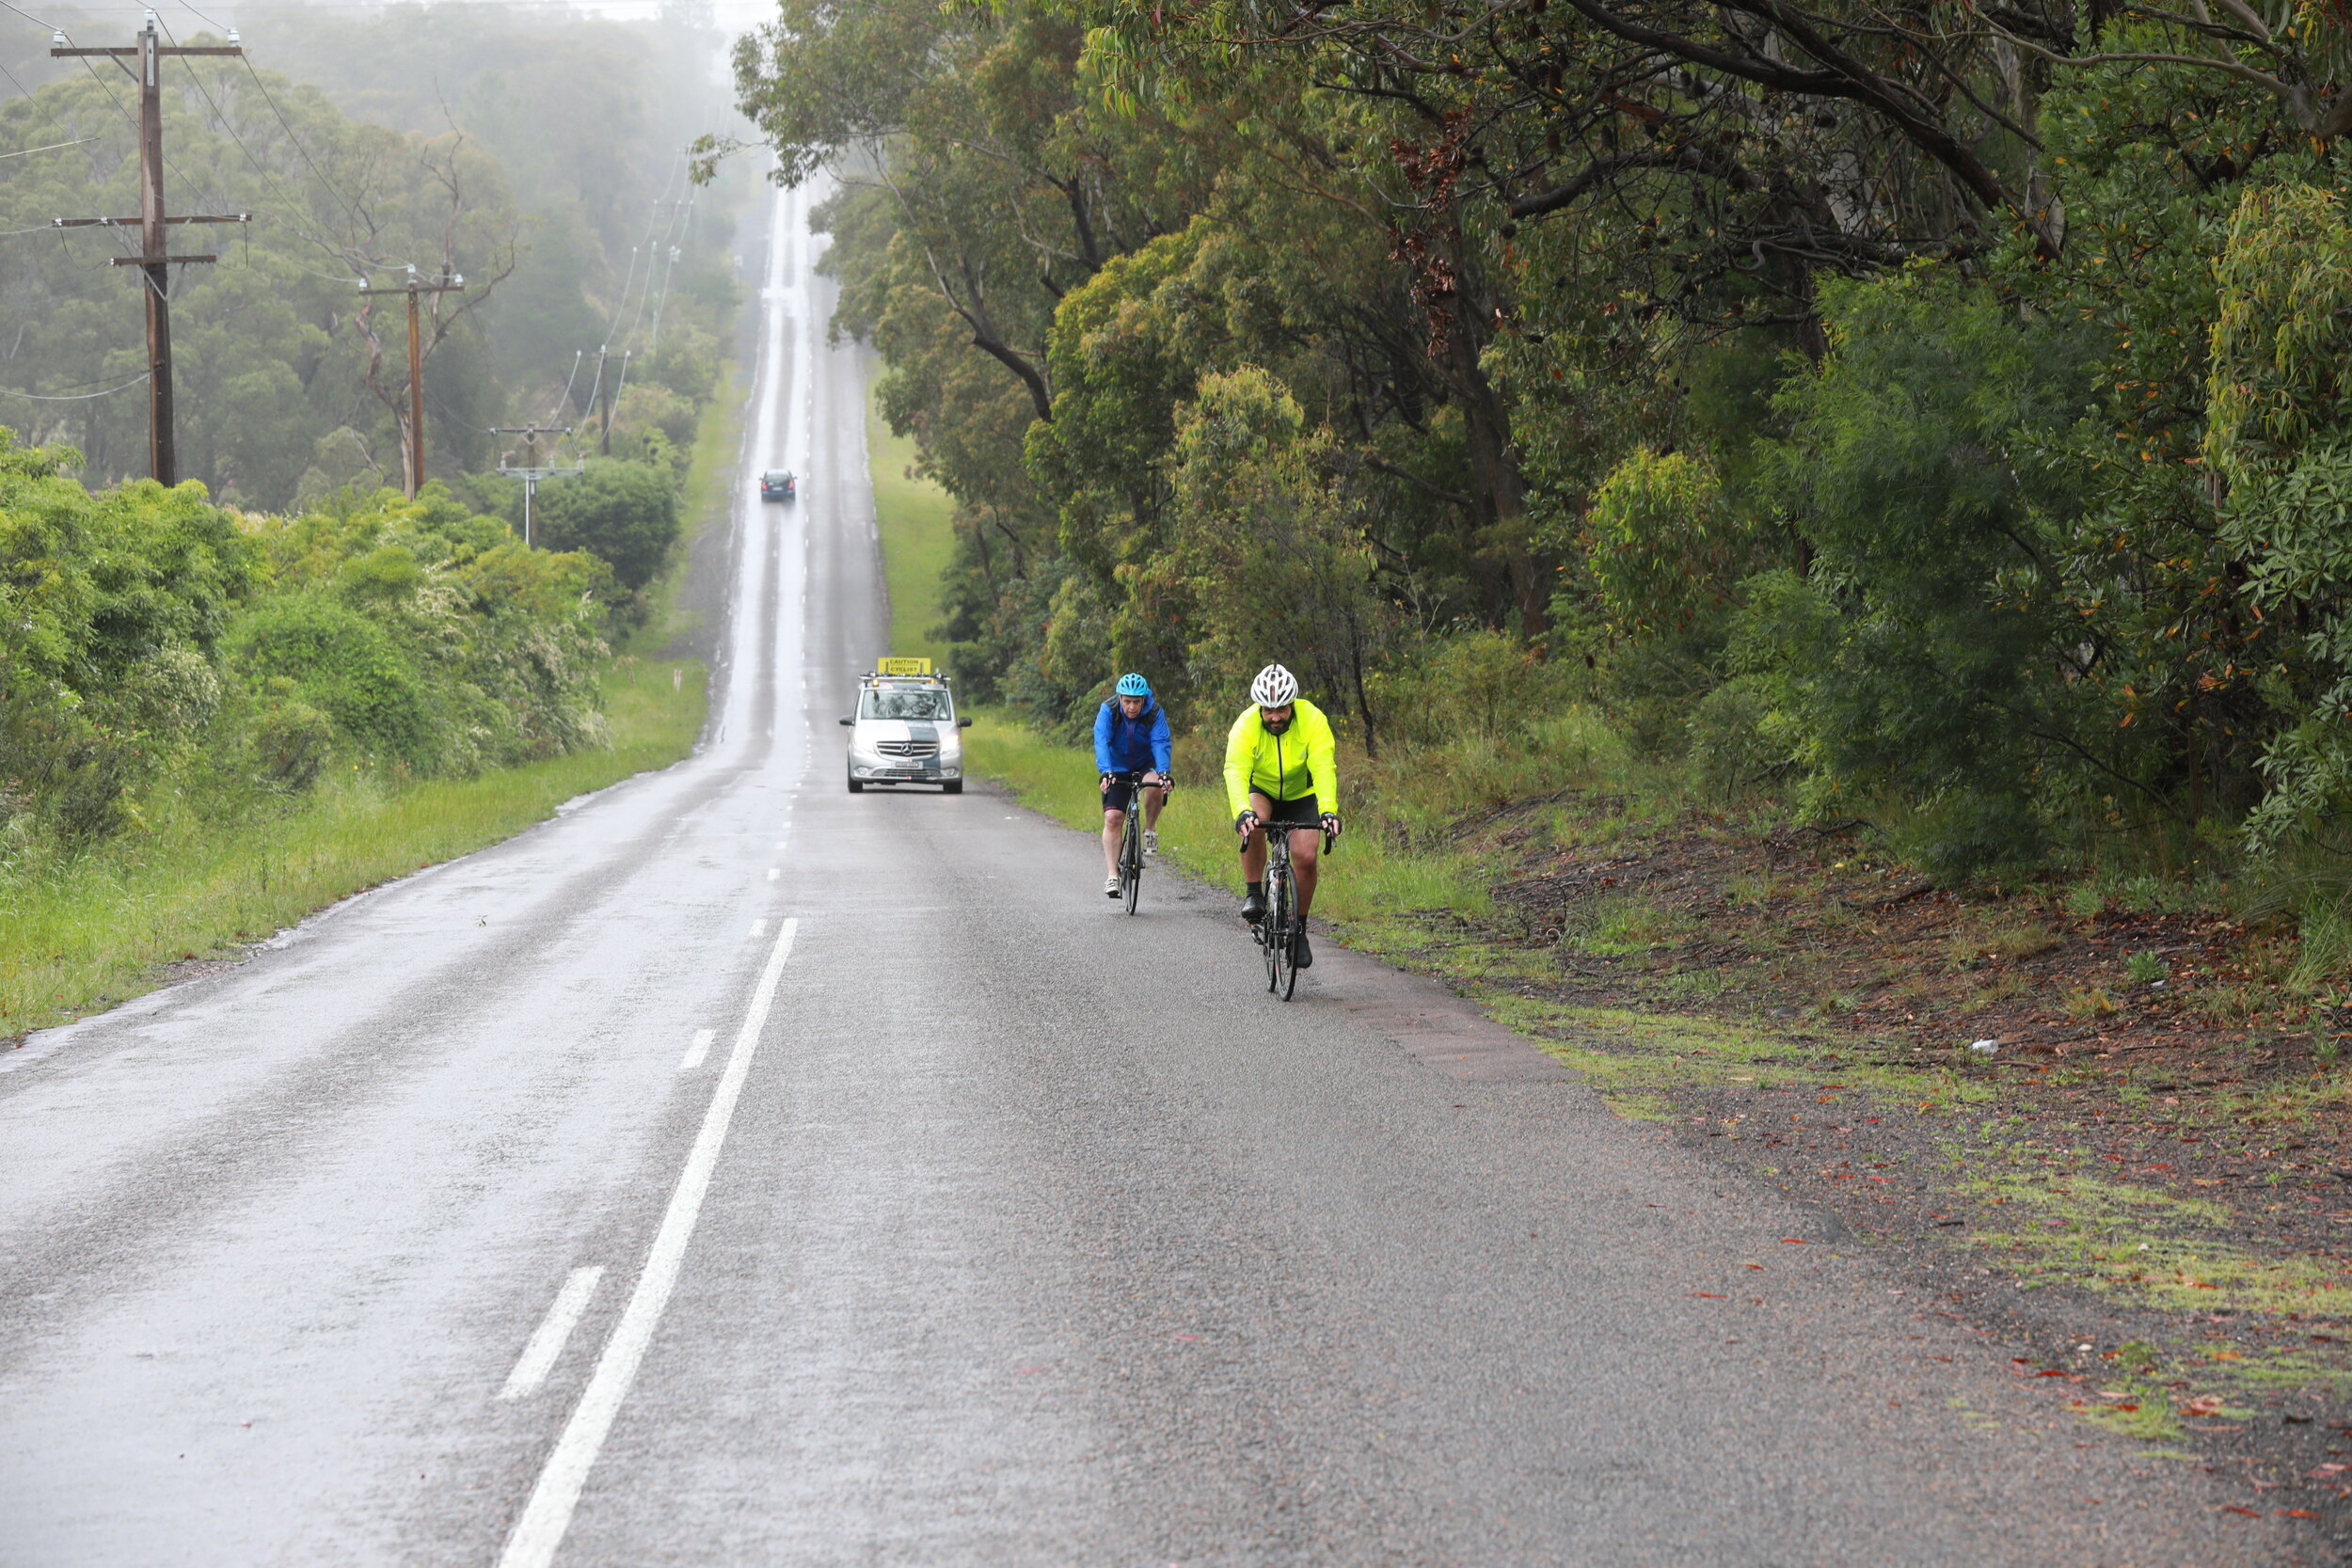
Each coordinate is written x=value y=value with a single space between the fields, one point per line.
x=778 y=485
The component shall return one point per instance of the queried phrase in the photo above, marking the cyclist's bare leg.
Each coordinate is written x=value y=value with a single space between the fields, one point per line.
x=1114 y=823
x=1154 y=799
x=1253 y=852
x=1306 y=847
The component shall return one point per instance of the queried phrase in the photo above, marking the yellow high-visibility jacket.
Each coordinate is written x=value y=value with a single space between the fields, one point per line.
x=1282 y=766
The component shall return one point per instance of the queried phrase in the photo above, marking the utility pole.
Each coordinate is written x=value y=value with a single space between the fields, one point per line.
x=528 y=470
x=154 y=259
x=415 y=286
x=604 y=399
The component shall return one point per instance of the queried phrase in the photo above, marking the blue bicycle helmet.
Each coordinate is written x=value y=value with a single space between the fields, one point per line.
x=1131 y=685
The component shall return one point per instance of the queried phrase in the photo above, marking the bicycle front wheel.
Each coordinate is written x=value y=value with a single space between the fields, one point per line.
x=1293 y=928
x=1131 y=862
x=1280 y=975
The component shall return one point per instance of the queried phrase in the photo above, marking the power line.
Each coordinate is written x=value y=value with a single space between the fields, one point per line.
x=669 y=274
x=81 y=397
x=200 y=15
x=564 y=396
x=95 y=171
x=198 y=82
x=349 y=211
x=652 y=217
x=26 y=152
x=262 y=169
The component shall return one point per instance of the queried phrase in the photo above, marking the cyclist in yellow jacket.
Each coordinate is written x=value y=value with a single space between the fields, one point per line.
x=1281 y=771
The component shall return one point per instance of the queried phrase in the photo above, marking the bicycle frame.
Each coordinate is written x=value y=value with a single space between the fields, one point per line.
x=1278 y=933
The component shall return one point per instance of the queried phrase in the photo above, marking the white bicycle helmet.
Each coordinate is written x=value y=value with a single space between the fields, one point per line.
x=1274 y=688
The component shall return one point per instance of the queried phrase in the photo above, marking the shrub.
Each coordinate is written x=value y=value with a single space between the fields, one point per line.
x=1477 y=685
x=345 y=665
x=1664 y=545
x=1737 y=740
x=292 y=742
x=625 y=513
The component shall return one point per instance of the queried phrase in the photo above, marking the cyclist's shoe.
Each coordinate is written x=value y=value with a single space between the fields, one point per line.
x=1253 y=907
x=1151 y=841
x=1303 y=957
x=1110 y=886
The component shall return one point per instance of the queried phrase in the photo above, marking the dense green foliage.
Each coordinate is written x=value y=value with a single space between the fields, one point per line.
x=283 y=611
x=626 y=512
x=1970 y=460
x=539 y=154
x=159 y=653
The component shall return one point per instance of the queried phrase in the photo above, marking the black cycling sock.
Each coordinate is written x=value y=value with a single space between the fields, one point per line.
x=1258 y=888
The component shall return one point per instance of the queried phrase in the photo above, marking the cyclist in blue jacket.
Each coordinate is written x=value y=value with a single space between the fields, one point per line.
x=1130 y=737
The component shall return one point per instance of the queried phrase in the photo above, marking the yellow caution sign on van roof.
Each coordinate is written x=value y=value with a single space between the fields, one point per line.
x=902 y=666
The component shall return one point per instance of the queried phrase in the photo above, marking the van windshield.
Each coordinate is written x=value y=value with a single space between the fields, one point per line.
x=888 y=703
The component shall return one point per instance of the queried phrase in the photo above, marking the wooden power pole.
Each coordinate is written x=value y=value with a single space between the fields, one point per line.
x=604 y=399
x=154 y=259
x=415 y=286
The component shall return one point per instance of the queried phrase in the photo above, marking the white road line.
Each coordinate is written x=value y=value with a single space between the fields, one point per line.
x=773 y=873
x=539 y=1356
x=760 y=927
x=548 y=1515
x=696 y=1052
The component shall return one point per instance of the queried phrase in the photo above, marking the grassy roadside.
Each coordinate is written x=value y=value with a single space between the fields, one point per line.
x=140 y=910
x=916 y=520
x=111 y=924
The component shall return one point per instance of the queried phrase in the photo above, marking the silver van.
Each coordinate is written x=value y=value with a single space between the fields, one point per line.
x=905 y=731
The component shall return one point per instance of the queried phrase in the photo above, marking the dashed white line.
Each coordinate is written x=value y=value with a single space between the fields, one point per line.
x=760 y=927
x=548 y=1514
x=696 y=1052
x=546 y=1343
x=773 y=873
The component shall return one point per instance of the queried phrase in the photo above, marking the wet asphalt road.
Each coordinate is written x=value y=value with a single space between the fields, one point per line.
x=733 y=1171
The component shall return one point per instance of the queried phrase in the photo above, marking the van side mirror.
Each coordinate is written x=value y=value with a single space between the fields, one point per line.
x=964 y=722
x=848 y=720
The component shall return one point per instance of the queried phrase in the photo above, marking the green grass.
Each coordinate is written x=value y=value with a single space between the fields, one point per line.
x=95 y=931
x=916 y=518
x=2123 y=1238
x=717 y=436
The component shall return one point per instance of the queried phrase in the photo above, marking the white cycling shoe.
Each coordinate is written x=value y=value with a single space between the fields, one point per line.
x=1110 y=886
x=1151 y=841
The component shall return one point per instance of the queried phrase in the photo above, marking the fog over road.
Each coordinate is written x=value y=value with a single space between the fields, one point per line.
x=734 y=1170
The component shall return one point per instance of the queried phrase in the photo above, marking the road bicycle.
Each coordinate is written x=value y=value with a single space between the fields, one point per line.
x=1131 y=840
x=1279 y=931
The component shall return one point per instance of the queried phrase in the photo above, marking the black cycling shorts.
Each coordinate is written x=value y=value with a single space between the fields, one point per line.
x=1120 y=792
x=1300 y=812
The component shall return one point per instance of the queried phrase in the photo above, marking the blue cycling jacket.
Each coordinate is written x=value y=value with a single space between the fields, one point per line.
x=1125 y=745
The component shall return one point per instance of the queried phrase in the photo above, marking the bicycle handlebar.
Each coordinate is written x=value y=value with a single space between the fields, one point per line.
x=1331 y=841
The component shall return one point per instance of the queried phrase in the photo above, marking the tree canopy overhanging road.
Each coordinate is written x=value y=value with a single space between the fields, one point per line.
x=737 y=1171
